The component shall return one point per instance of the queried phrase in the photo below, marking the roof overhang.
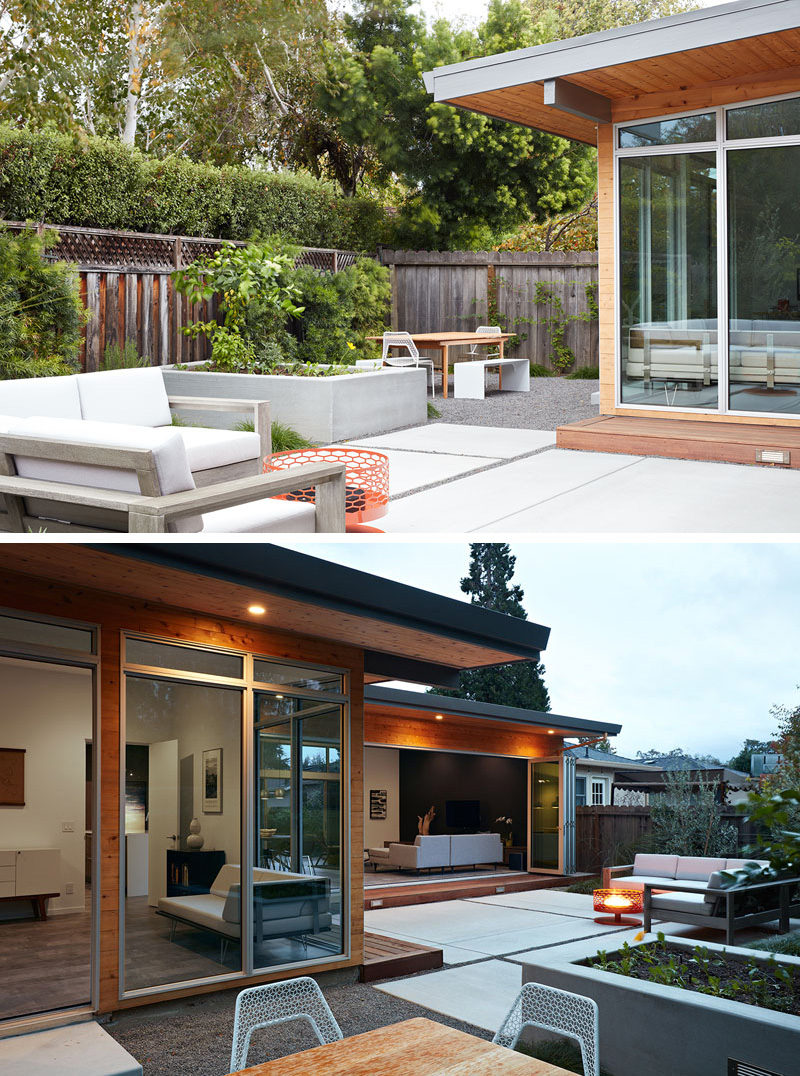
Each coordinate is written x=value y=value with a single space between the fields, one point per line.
x=419 y=702
x=570 y=87
x=406 y=633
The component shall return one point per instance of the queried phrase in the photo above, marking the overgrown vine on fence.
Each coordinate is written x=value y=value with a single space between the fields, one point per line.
x=555 y=319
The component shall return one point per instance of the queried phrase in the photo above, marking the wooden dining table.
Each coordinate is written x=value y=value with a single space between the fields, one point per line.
x=416 y=1047
x=443 y=341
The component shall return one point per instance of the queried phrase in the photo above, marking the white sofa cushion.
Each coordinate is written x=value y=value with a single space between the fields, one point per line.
x=639 y=881
x=737 y=864
x=268 y=516
x=656 y=865
x=53 y=397
x=694 y=903
x=172 y=466
x=697 y=868
x=475 y=848
x=135 y=397
x=203 y=909
x=217 y=448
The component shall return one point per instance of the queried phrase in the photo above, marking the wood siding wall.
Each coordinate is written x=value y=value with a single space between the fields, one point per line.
x=386 y=726
x=434 y=291
x=116 y=614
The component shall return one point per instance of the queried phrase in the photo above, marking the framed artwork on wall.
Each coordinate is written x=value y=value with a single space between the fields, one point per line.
x=377 y=803
x=12 y=777
x=212 y=781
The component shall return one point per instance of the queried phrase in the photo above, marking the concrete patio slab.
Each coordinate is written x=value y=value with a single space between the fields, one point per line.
x=486 y=500
x=415 y=470
x=488 y=441
x=555 y=901
x=479 y=994
x=452 y=922
x=77 y=1050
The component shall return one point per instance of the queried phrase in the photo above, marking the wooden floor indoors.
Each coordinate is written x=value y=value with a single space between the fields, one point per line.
x=387 y=958
x=460 y=888
x=684 y=439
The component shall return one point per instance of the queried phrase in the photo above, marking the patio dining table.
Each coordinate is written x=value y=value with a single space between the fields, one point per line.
x=416 y=1047
x=443 y=341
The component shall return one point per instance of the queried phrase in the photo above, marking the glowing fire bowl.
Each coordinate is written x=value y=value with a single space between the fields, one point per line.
x=617 y=902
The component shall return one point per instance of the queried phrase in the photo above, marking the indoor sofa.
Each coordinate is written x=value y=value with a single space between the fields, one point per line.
x=285 y=905
x=692 y=890
x=431 y=852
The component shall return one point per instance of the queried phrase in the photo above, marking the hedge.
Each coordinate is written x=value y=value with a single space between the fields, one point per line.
x=99 y=183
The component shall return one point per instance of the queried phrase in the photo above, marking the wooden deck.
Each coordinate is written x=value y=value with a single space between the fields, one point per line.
x=460 y=889
x=684 y=439
x=387 y=958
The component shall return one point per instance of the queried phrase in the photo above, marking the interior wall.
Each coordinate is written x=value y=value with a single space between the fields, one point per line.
x=430 y=778
x=47 y=710
x=382 y=772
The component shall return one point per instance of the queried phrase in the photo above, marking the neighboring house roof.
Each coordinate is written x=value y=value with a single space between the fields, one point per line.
x=419 y=700
x=568 y=85
x=590 y=756
x=655 y=779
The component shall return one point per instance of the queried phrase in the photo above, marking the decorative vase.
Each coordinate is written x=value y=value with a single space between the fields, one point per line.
x=195 y=839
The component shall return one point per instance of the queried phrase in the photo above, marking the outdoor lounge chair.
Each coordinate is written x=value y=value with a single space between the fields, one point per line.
x=73 y=475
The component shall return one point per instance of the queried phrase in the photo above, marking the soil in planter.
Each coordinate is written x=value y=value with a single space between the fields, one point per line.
x=765 y=984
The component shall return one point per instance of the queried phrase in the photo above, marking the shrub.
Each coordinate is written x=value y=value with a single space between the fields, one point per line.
x=584 y=373
x=284 y=438
x=41 y=313
x=340 y=310
x=94 y=182
x=537 y=370
x=125 y=357
x=688 y=821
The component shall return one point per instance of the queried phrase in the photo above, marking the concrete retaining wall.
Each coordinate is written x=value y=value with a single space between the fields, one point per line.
x=323 y=409
x=649 y=1028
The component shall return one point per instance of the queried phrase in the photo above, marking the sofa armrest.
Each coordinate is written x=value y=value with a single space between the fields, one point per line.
x=403 y=855
x=612 y=872
x=260 y=409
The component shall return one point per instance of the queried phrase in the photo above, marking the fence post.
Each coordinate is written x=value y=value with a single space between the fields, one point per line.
x=178 y=252
x=336 y=261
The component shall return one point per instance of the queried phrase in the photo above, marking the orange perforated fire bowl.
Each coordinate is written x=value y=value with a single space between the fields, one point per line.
x=617 y=902
x=366 y=479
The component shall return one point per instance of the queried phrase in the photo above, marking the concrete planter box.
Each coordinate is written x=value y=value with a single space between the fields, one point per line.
x=649 y=1028
x=323 y=409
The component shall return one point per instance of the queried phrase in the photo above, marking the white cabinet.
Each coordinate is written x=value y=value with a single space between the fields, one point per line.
x=30 y=872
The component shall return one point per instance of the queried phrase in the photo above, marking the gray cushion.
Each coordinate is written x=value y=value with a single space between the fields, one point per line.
x=693 y=903
x=639 y=881
x=656 y=865
x=698 y=868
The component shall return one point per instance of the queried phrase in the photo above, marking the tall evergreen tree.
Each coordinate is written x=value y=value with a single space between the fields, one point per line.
x=491 y=567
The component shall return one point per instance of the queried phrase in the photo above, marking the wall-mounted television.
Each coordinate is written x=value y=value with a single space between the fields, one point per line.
x=462 y=814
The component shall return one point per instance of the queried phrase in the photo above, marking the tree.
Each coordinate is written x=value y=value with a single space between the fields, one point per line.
x=788 y=747
x=741 y=760
x=687 y=818
x=488 y=584
x=562 y=19
x=678 y=759
x=468 y=177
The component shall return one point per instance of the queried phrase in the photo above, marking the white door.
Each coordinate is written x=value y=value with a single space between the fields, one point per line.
x=162 y=814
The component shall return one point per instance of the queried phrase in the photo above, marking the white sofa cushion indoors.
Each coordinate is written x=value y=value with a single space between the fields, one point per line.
x=207 y=448
x=433 y=850
x=52 y=397
x=134 y=397
x=172 y=465
x=474 y=848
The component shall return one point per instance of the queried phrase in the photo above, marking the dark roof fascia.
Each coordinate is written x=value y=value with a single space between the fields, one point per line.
x=657 y=37
x=274 y=569
x=443 y=704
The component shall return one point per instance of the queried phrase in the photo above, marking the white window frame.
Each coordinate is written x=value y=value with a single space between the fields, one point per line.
x=601 y=783
x=720 y=146
x=580 y=777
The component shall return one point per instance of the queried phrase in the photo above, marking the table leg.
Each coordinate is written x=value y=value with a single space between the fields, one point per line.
x=500 y=370
x=445 y=367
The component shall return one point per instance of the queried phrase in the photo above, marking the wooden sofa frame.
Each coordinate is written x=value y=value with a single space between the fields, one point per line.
x=149 y=511
x=261 y=425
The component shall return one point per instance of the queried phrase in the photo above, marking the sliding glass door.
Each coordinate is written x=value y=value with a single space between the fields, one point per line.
x=709 y=261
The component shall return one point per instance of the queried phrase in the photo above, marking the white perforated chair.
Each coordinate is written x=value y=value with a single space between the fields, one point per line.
x=487 y=330
x=555 y=1010
x=403 y=340
x=280 y=1003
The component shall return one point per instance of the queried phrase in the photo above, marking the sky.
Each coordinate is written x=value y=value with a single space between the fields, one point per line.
x=473 y=11
x=685 y=644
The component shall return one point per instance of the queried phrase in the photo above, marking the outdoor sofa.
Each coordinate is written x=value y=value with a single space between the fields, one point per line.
x=765 y=352
x=689 y=889
x=430 y=852
x=285 y=905
x=99 y=452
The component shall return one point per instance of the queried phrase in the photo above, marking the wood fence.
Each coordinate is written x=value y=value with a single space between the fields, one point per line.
x=606 y=836
x=434 y=291
x=126 y=285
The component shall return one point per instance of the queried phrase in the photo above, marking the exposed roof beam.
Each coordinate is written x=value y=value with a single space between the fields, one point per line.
x=567 y=97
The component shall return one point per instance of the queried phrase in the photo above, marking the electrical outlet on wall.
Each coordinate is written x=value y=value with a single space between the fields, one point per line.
x=67 y=827
x=69 y=889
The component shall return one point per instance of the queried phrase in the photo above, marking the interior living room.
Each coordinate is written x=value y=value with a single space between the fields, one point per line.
x=459 y=793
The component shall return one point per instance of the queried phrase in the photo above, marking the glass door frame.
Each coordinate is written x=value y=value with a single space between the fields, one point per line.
x=249 y=686
x=559 y=760
x=721 y=145
x=54 y=655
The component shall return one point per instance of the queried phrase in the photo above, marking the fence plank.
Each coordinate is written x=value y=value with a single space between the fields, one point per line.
x=92 y=352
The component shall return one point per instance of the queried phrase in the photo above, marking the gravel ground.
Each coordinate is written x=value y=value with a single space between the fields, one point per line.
x=552 y=402
x=193 y=1037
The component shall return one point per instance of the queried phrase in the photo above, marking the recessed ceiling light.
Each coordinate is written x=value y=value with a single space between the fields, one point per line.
x=256 y=610
x=439 y=717
x=551 y=732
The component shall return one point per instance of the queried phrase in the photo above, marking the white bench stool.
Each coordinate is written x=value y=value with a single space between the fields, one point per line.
x=469 y=378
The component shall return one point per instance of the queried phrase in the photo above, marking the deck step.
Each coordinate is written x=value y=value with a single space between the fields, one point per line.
x=388 y=958
x=84 y=1049
x=389 y=896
